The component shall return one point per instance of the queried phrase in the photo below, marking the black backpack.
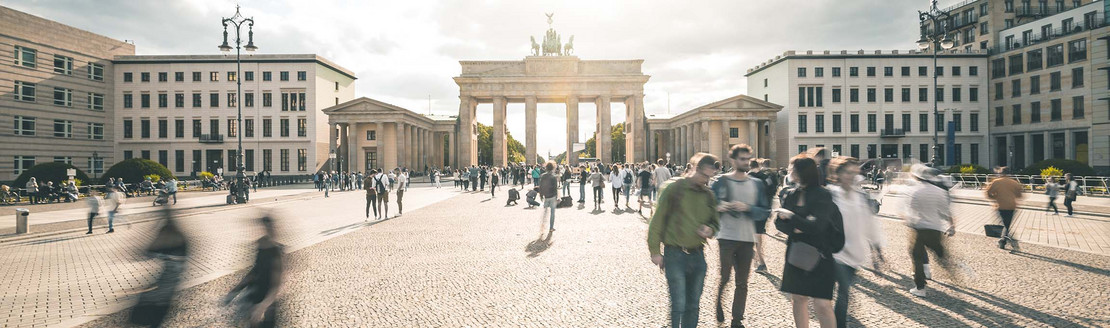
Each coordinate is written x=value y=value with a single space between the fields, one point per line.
x=627 y=177
x=379 y=185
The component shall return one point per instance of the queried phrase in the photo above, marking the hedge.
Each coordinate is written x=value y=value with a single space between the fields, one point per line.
x=53 y=171
x=959 y=169
x=133 y=170
x=1068 y=166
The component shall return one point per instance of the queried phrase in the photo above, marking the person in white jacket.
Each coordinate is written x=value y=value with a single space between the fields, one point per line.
x=616 y=181
x=861 y=229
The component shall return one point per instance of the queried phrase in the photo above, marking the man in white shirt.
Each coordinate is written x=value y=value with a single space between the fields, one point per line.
x=402 y=185
x=661 y=175
x=929 y=214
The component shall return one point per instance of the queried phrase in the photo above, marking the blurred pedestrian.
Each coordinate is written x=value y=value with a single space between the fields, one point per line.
x=815 y=230
x=1071 y=192
x=171 y=247
x=687 y=216
x=597 y=181
x=371 y=194
x=402 y=185
x=530 y=197
x=741 y=203
x=1052 y=190
x=549 y=189
x=929 y=214
x=171 y=189
x=261 y=285
x=94 y=208
x=861 y=229
x=646 y=185
x=514 y=195
x=1005 y=192
x=114 y=201
x=494 y=179
x=758 y=171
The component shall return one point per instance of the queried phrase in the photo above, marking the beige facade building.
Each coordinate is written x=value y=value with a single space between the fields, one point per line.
x=714 y=128
x=875 y=104
x=370 y=134
x=58 y=104
x=1048 y=62
x=181 y=111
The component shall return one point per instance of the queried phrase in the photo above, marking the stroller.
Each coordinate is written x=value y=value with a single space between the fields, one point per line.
x=162 y=198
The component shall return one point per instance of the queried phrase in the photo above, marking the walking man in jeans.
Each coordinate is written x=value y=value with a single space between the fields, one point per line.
x=687 y=216
x=549 y=189
x=1005 y=193
x=929 y=214
x=371 y=194
x=742 y=202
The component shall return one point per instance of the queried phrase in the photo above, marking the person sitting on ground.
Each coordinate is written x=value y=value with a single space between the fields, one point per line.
x=514 y=195
x=532 y=197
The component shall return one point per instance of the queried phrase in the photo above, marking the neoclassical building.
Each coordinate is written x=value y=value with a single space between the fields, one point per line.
x=369 y=134
x=714 y=128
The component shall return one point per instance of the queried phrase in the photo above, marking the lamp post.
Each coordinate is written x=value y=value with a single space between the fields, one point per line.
x=331 y=155
x=937 y=38
x=93 y=166
x=240 y=190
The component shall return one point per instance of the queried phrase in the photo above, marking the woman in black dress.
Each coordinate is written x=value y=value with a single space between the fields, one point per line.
x=809 y=217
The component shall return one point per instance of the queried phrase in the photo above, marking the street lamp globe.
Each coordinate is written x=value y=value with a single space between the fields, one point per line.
x=947 y=43
x=923 y=43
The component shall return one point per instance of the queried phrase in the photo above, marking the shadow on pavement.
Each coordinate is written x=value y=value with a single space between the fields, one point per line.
x=346 y=227
x=538 y=246
x=1018 y=309
x=1098 y=271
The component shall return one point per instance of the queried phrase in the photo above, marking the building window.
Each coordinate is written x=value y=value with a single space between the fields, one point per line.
x=732 y=133
x=853 y=122
x=267 y=76
x=284 y=160
x=22 y=163
x=178 y=100
x=975 y=154
x=956 y=71
x=196 y=129
x=1035 y=84
x=855 y=150
x=1077 y=77
x=922 y=94
x=1055 y=55
x=302 y=127
x=1054 y=81
x=231 y=76
x=817 y=72
x=974 y=121
x=1035 y=112
x=144 y=100
x=888 y=71
x=1015 y=91
x=25 y=57
x=940 y=70
x=144 y=130
x=808 y=97
x=267 y=99
x=1034 y=60
x=248 y=128
x=214 y=76
x=248 y=76
x=835 y=72
x=853 y=95
x=248 y=99
x=128 y=154
x=871 y=151
x=973 y=94
x=802 y=123
x=96 y=131
x=128 y=77
x=144 y=76
x=802 y=149
x=267 y=128
x=24 y=126
x=973 y=70
x=63 y=65
x=940 y=122
x=939 y=94
x=1017 y=64
x=213 y=100
x=1016 y=119
x=923 y=122
x=128 y=101
x=24 y=91
x=906 y=122
x=302 y=159
x=232 y=127
x=956 y=94
x=836 y=95
x=179 y=129
x=267 y=159
x=163 y=129
x=163 y=100
x=284 y=77
x=179 y=76
x=231 y=99
x=872 y=123
x=819 y=121
x=888 y=94
x=179 y=160
x=871 y=71
x=853 y=71
x=1077 y=111
x=836 y=127
x=196 y=100
x=905 y=94
x=96 y=72
x=1077 y=50
x=196 y=76
x=302 y=76
x=163 y=77
x=801 y=72
x=127 y=129
x=248 y=159
x=284 y=127
x=998 y=68
x=905 y=71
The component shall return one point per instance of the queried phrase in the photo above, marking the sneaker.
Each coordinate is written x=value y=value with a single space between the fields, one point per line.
x=928 y=272
x=111 y=230
x=1069 y=216
x=89 y=233
x=1002 y=244
x=917 y=292
x=762 y=268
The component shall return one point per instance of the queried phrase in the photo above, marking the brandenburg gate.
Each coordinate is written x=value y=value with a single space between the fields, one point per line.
x=551 y=76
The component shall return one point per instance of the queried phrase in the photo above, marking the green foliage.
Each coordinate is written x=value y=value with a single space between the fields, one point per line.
x=1068 y=166
x=53 y=171
x=485 y=146
x=152 y=177
x=135 y=169
x=1052 y=171
x=205 y=175
x=967 y=169
x=617 y=150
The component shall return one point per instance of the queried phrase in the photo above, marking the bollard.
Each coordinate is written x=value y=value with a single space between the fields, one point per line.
x=21 y=218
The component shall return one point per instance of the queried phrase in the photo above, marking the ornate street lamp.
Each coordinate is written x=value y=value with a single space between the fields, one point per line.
x=239 y=192
x=93 y=166
x=937 y=39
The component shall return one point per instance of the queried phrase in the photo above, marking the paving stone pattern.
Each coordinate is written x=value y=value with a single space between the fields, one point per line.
x=471 y=262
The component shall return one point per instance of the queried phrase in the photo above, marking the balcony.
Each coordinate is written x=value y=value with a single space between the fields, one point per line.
x=1020 y=42
x=211 y=138
x=1037 y=11
x=892 y=133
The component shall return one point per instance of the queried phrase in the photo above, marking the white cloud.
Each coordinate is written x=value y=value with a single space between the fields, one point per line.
x=405 y=51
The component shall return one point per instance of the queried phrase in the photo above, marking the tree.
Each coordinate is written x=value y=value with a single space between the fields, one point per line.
x=485 y=146
x=616 y=151
x=133 y=170
x=52 y=171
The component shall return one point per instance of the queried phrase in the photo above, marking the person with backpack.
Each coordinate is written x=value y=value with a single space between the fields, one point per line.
x=760 y=171
x=815 y=230
x=616 y=181
x=1071 y=192
x=371 y=194
x=686 y=218
x=382 y=183
x=646 y=185
x=629 y=180
x=742 y=202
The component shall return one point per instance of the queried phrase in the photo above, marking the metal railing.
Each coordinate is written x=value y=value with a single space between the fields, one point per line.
x=211 y=138
x=182 y=185
x=892 y=133
x=1041 y=37
x=1090 y=185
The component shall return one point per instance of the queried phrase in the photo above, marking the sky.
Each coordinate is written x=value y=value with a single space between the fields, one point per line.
x=406 y=52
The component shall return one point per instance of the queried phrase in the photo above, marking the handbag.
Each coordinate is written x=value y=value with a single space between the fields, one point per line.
x=803 y=256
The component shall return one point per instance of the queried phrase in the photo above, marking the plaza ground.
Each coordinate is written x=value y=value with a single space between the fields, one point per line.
x=465 y=260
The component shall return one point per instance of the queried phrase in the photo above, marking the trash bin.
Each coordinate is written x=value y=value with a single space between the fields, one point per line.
x=21 y=224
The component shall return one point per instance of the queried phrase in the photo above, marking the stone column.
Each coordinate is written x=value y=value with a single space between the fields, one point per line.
x=332 y=136
x=772 y=147
x=380 y=144
x=1069 y=145
x=341 y=151
x=753 y=137
x=500 y=149
x=399 y=130
x=1048 y=151
x=631 y=131
x=640 y=142
x=353 y=149
x=572 y=129
x=726 y=140
x=529 y=130
x=705 y=144
x=1028 y=150
x=452 y=147
x=680 y=150
x=414 y=148
x=604 y=130
x=467 y=136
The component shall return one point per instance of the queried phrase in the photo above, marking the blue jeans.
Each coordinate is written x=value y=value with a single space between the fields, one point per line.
x=111 y=219
x=550 y=203
x=582 y=192
x=685 y=280
x=845 y=278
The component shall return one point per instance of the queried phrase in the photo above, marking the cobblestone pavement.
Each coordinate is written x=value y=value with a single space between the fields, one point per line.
x=472 y=262
x=72 y=278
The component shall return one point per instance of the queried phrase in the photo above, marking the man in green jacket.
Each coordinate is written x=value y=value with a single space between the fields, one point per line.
x=686 y=217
